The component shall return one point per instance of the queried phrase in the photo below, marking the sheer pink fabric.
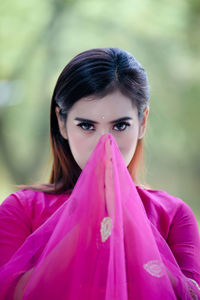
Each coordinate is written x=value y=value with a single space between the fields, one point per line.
x=99 y=244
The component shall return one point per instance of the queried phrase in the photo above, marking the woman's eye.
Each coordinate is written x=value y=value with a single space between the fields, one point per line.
x=89 y=127
x=121 y=126
x=86 y=126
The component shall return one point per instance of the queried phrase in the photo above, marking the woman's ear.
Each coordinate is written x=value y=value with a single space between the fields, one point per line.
x=61 y=124
x=143 y=124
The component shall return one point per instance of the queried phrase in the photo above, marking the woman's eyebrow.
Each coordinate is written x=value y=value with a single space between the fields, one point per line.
x=94 y=122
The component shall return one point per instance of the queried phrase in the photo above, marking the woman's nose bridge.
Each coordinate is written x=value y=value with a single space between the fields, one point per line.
x=104 y=130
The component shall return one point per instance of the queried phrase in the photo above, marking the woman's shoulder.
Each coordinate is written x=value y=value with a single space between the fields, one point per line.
x=161 y=199
x=24 y=198
x=164 y=209
x=37 y=206
x=31 y=197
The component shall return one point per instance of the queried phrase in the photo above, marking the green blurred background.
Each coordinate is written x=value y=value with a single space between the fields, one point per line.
x=38 y=38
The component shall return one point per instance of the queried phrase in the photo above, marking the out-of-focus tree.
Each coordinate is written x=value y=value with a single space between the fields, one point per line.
x=37 y=39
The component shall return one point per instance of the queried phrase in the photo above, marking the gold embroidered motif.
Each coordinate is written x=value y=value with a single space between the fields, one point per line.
x=106 y=228
x=154 y=267
x=193 y=294
x=192 y=291
x=195 y=283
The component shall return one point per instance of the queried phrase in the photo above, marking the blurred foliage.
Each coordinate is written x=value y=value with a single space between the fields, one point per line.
x=38 y=38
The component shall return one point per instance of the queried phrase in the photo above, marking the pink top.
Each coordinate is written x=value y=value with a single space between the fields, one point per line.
x=24 y=211
x=108 y=240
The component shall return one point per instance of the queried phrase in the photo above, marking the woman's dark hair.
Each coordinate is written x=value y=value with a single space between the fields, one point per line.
x=95 y=72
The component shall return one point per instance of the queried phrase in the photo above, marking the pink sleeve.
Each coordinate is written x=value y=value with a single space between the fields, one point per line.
x=15 y=226
x=184 y=242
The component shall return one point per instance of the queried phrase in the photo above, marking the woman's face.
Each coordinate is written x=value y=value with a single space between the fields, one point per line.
x=90 y=118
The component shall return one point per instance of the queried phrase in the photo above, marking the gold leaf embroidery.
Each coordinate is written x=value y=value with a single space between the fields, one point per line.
x=195 y=283
x=106 y=228
x=154 y=267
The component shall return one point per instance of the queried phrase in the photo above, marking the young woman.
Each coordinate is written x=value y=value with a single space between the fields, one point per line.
x=93 y=232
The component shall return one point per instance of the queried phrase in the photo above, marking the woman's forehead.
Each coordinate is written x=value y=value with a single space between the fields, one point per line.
x=112 y=104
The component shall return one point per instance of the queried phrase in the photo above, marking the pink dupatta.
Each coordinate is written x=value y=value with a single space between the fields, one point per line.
x=99 y=244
